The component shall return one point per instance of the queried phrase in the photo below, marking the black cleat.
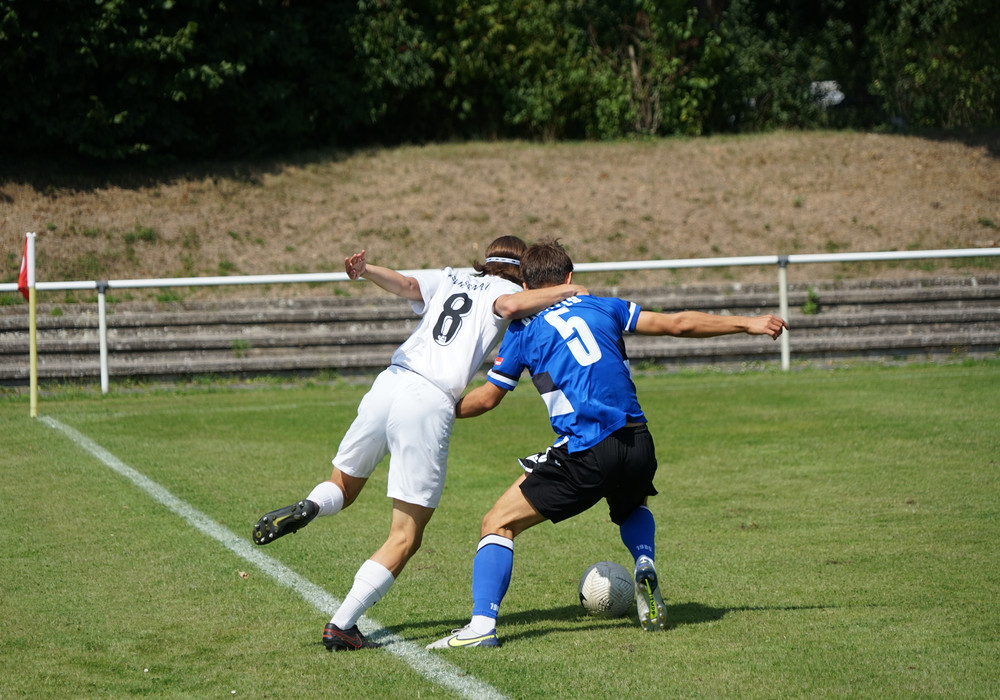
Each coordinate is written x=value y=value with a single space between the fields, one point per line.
x=336 y=639
x=279 y=523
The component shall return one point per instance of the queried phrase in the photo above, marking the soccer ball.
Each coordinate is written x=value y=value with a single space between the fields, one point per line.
x=607 y=589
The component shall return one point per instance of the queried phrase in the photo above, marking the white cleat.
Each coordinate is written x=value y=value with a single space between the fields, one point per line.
x=465 y=638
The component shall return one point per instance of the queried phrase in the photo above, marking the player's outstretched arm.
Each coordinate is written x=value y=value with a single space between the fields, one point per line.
x=480 y=400
x=531 y=301
x=696 y=324
x=389 y=280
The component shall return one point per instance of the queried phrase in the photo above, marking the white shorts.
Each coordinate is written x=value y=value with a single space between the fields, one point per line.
x=407 y=417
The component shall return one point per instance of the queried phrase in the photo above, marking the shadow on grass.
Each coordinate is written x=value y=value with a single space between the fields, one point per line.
x=696 y=613
x=677 y=615
x=566 y=613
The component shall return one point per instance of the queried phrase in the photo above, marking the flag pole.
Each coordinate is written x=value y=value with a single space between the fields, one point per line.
x=32 y=322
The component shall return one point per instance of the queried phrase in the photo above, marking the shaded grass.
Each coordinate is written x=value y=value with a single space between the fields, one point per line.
x=820 y=534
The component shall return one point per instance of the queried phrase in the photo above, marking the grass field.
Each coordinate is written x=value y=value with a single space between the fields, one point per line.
x=820 y=534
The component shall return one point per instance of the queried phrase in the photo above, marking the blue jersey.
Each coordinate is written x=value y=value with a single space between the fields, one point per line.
x=575 y=353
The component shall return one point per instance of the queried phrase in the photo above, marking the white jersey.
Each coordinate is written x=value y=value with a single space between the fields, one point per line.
x=458 y=328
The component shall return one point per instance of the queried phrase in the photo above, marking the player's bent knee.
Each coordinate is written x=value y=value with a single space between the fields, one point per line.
x=489 y=525
x=495 y=526
x=351 y=486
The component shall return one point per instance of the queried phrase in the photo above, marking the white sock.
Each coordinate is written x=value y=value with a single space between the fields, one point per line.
x=328 y=496
x=370 y=583
x=481 y=624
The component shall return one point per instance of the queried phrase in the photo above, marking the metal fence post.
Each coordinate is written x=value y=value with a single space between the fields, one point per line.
x=783 y=309
x=102 y=332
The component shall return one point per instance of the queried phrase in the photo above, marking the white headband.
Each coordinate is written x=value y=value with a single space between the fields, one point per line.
x=512 y=261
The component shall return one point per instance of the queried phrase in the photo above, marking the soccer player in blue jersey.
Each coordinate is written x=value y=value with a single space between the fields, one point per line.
x=575 y=354
x=409 y=411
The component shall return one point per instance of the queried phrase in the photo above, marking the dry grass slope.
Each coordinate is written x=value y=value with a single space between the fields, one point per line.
x=435 y=205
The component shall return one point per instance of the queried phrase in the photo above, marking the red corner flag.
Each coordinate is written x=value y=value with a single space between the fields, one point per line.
x=22 y=278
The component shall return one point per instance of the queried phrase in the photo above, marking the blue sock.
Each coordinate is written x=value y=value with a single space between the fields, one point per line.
x=639 y=533
x=491 y=571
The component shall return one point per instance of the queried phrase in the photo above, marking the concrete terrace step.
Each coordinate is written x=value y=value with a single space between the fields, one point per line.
x=897 y=320
x=738 y=298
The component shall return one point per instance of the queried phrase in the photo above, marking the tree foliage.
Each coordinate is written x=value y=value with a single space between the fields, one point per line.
x=116 y=79
x=158 y=79
x=936 y=63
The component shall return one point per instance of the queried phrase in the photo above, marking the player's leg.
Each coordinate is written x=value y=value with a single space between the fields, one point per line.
x=633 y=450
x=405 y=535
x=493 y=564
x=349 y=487
x=637 y=532
x=511 y=515
x=361 y=449
x=327 y=498
x=376 y=576
x=418 y=423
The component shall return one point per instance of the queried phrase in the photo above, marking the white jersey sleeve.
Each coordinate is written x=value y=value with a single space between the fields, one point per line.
x=457 y=330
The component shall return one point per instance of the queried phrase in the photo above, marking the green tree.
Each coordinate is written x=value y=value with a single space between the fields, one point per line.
x=115 y=79
x=936 y=63
x=776 y=52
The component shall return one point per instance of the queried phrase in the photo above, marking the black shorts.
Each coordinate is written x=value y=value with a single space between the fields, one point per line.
x=620 y=469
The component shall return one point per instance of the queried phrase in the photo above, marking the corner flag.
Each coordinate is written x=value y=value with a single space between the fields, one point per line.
x=26 y=285
x=22 y=277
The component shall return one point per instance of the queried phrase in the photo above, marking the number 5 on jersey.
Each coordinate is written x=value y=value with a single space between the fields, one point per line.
x=575 y=331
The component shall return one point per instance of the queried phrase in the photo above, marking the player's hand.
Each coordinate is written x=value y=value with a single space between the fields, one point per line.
x=579 y=290
x=767 y=325
x=355 y=265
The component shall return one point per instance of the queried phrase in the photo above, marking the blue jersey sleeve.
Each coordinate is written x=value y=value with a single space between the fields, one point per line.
x=631 y=316
x=508 y=365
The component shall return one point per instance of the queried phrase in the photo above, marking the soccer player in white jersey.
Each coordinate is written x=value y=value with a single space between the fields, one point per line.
x=575 y=353
x=409 y=412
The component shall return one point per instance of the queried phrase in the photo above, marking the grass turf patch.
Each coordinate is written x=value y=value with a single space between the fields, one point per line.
x=820 y=534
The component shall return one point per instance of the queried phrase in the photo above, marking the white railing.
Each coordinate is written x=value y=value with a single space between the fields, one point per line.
x=781 y=261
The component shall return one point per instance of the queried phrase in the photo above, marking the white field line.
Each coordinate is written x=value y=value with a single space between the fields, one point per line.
x=430 y=666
